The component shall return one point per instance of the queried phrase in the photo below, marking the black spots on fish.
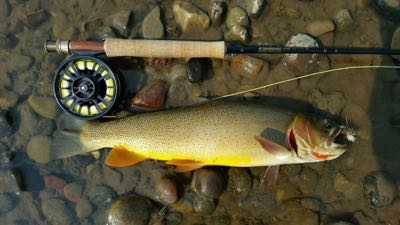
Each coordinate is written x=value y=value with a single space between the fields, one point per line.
x=274 y=135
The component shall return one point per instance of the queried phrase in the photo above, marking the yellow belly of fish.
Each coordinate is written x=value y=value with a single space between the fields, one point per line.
x=209 y=135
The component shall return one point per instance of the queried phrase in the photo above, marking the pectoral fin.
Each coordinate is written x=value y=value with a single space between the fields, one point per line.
x=185 y=165
x=119 y=156
x=270 y=176
x=273 y=148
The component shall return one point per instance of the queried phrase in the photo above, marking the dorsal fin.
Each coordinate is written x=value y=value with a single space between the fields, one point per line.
x=120 y=156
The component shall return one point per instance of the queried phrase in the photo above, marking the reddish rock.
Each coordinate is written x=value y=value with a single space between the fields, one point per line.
x=167 y=190
x=151 y=97
x=54 y=182
x=73 y=192
x=247 y=66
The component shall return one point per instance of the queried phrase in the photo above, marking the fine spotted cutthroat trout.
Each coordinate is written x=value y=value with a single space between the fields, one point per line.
x=219 y=133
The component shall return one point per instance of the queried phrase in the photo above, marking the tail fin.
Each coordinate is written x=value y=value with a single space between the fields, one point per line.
x=66 y=144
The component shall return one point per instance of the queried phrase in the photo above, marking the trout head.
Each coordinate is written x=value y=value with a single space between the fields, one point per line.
x=314 y=139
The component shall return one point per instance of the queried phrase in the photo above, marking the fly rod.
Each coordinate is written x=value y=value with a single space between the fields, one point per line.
x=113 y=47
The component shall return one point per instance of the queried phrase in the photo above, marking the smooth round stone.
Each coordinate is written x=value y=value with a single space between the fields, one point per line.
x=6 y=123
x=253 y=7
x=5 y=9
x=44 y=106
x=239 y=181
x=237 y=33
x=380 y=189
x=36 y=18
x=7 y=202
x=208 y=183
x=301 y=63
x=100 y=195
x=39 y=148
x=388 y=8
x=56 y=211
x=129 y=210
x=7 y=41
x=173 y=218
x=236 y=17
x=319 y=27
x=204 y=206
x=152 y=27
x=8 y=99
x=395 y=44
x=84 y=208
x=167 y=190
x=198 y=69
x=343 y=20
x=216 y=11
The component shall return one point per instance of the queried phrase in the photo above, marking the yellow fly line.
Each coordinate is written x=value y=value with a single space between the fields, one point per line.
x=307 y=76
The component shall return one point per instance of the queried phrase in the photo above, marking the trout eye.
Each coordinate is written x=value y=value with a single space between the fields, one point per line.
x=292 y=141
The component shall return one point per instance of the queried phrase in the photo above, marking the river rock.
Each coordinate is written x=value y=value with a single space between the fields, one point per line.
x=112 y=177
x=391 y=213
x=167 y=190
x=363 y=219
x=152 y=26
x=308 y=180
x=39 y=149
x=319 y=27
x=7 y=41
x=84 y=208
x=44 y=106
x=54 y=182
x=340 y=223
x=174 y=218
x=107 y=32
x=395 y=44
x=100 y=195
x=10 y=181
x=129 y=210
x=73 y=191
x=56 y=211
x=302 y=216
x=35 y=18
x=343 y=20
x=237 y=33
x=173 y=30
x=346 y=187
x=204 y=206
x=236 y=17
x=312 y=204
x=29 y=121
x=20 y=63
x=120 y=21
x=388 y=8
x=208 y=183
x=239 y=181
x=151 y=97
x=7 y=202
x=189 y=17
x=259 y=202
x=91 y=27
x=5 y=9
x=198 y=69
x=333 y=102
x=380 y=189
x=247 y=66
x=216 y=11
x=252 y=7
x=301 y=63
x=46 y=126
x=6 y=123
x=8 y=99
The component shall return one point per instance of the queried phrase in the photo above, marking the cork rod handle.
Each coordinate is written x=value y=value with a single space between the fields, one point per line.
x=164 y=48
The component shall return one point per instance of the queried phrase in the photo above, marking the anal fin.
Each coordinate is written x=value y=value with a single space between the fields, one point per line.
x=119 y=156
x=185 y=165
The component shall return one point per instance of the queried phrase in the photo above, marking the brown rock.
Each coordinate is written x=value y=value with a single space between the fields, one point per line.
x=216 y=11
x=73 y=192
x=319 y=27
x=151 y=97
x=167 y=190
x=247 y=66
x=189 y=17
x=54 y=182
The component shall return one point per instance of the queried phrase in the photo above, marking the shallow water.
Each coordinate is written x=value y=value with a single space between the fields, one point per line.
x=318 y=193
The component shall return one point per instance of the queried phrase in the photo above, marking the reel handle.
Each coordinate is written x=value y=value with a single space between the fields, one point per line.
x=164 y=48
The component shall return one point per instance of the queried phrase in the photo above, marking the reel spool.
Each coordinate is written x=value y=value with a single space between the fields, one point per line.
x=85 y=87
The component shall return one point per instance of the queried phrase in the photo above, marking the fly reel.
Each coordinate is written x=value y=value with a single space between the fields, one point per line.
x=86 y=87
